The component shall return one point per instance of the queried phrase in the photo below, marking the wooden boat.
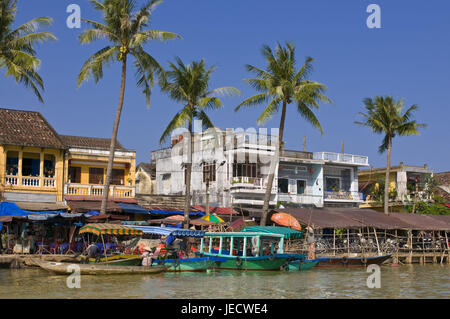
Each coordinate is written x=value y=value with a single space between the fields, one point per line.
x=233 y=248
x=116 y=260
x=301 y=265
x=338 y=262
x=190 y=264
x=88 y=269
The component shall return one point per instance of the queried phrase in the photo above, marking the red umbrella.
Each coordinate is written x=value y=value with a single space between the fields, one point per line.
x=287 y=220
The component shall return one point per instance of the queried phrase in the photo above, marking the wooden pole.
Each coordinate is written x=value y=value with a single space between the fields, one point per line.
x=348 y=241
x=448 y=248
x=434 y=250
x=104 y=247
x=304 y=143
x=334 y=241
x=376 y=238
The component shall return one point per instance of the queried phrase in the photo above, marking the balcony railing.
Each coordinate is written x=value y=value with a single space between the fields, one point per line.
x=343 y=195
x=256 y=183
x=342 y=158
x=97 y=190
x=30 y=182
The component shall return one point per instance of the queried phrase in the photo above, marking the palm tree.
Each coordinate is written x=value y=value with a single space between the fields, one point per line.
x=124 y=29
x=384 y=116
x=189 y=85
x=281 y=83
x=17 y=53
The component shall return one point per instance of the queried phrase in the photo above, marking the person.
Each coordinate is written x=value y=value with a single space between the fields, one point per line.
x=147 y=259
x=92 y=251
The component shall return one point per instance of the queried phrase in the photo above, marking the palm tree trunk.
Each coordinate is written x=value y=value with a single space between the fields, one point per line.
x=386 y=181
x=112 y=146
x=273 y=166
x=187 y=200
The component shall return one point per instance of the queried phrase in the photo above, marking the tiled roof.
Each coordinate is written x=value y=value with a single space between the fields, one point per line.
x=89 y=142
x=27 y=128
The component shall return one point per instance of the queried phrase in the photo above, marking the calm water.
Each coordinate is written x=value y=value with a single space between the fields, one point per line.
x=409 y=281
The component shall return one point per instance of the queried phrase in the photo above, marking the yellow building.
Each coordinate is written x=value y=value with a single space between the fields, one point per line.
x=86 y=162
x=39 y=165
x=408 y=181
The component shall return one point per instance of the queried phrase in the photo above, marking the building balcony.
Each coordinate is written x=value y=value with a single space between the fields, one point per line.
x=30 y=182
x=96 y=191
x=244 y=184
x=343 y=196
x=305 y=199
x=342 y=158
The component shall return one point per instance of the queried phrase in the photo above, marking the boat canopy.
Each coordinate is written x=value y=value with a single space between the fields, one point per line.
x=110 y=229
x=169 y=231
x=243 y=234
x=286 y=232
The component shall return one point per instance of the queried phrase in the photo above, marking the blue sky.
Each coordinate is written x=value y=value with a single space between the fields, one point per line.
x=409 y=57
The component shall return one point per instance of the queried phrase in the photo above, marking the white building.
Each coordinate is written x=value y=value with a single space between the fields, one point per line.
x=238 y=164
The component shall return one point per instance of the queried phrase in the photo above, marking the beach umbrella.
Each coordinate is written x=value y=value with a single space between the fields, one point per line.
x=287 y=220
x=213 y=218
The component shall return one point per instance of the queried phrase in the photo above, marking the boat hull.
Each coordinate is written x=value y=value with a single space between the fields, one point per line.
x=190 y=264
x=118 y=260
x=87 y=269
x=300 y=265
x=263 y=263
x=349 y=262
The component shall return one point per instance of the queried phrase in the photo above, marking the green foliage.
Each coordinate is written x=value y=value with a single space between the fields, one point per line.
x=281 y=81
x=17 y=53
x=377 y=192
x=384 y=116
x=433 y=208
x=125 y=30
x=188 y=84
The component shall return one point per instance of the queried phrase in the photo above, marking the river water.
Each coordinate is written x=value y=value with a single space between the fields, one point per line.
x=408 y=281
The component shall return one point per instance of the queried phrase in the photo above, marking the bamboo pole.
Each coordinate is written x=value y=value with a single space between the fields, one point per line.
x=104 y=247
x=376 y=238
x=448 y=248
x=334 y=241
x=348 y=241
x=423 y=250
x=434 y=249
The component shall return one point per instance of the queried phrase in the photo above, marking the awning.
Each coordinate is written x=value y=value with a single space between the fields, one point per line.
x=87 y=206
x=176 y=212
x=133 y=208
x=286 y=232
x=216 y=210
x=166 y=231
x=107 y=217
x=110 y=229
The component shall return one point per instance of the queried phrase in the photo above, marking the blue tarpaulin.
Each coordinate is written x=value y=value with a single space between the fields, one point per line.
x=133 y=208
x=175 y=212
x=166 y=231
x=11 y=209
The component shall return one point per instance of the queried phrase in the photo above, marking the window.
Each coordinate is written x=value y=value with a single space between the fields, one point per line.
x=332 y=184
x=75 y=174
x=283 y=185
x=209 y=172
x=245 y=169
x=95 y=175
x=301 y=186
x=117 y=177
x=49 y=165
x=12 y=163
x=31 y=163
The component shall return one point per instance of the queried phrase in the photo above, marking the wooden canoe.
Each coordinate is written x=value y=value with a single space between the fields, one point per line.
x=91 y=269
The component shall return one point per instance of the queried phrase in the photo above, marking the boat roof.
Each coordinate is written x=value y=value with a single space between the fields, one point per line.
x=242 y=234
x=110 y=229
x=284 y=231
x=169 y=231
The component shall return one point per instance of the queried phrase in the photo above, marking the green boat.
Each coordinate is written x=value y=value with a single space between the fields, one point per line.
x=247 y=250
x=190 y=264
x=301 y=265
